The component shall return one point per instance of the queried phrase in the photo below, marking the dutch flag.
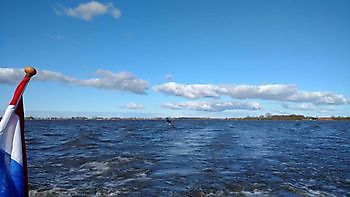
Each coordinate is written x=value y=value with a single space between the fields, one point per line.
x=13 y=163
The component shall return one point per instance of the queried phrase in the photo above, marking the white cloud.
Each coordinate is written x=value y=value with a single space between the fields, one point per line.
x=87 y=11
x=213 y=106
x=123 y=81
x=10 y=75
x=189 y=91
x=134 y=106
x=279 y=92
x=306 y=107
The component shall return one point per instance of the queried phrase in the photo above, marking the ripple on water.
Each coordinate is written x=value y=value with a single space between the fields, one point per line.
x=196 y=158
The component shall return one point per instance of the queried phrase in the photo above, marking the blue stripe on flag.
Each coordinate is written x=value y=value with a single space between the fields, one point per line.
x=11 y=176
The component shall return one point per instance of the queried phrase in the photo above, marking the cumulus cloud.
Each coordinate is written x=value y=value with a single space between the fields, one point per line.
x=87 y=11
x=192 y=91
x=306 y=107
x=123 y=81
x=279 y=92
x=134 y=106
x=213 y=106
x=10 y=75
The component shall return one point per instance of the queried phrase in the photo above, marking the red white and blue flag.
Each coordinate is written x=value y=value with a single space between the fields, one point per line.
x=13 y=162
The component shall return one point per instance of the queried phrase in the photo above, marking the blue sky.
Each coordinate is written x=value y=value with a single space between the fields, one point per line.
x=178 y=58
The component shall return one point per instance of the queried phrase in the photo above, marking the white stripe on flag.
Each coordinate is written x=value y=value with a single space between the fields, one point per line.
x=5 y=119
x=11 y=140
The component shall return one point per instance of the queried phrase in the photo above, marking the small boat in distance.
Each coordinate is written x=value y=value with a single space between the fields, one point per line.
x=169 y=122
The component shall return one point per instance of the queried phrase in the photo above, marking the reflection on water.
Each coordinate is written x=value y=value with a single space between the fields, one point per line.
x=195 y=158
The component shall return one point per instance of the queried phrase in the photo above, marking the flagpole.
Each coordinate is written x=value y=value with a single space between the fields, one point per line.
x=30 y=71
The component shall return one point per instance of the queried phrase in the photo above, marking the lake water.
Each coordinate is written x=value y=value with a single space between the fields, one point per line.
x=196 y=158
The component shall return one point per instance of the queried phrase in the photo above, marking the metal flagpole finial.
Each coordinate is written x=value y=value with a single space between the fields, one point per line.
x=30 y=71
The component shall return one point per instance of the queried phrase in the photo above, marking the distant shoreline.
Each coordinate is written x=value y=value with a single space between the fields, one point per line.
x=259 y=118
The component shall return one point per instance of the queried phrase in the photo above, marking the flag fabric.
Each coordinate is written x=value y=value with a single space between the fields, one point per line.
x=13 y=162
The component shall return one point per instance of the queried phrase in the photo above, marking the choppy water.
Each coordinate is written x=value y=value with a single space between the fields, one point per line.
x=214 y=158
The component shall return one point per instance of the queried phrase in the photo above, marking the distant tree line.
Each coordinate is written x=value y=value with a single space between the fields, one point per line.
x=265 y=117
x=289 y=117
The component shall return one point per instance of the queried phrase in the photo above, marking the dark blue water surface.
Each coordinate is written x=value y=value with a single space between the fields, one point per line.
x=196 y=158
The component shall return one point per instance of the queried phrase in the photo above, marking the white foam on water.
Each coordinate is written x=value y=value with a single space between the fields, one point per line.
x=56 y=191
x=88 y=170
x=60 y=192
x=123 y=159
x=127 y=181
x=306 y=191
x=95 y=167
x=141 y=175
x=108 y=193
x=254 y=193
x=148 y=162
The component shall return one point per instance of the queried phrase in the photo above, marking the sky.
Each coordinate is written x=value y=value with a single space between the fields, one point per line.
x=154 y=58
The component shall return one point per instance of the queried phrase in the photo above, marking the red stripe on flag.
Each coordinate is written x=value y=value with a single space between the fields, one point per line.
x=19 y=90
